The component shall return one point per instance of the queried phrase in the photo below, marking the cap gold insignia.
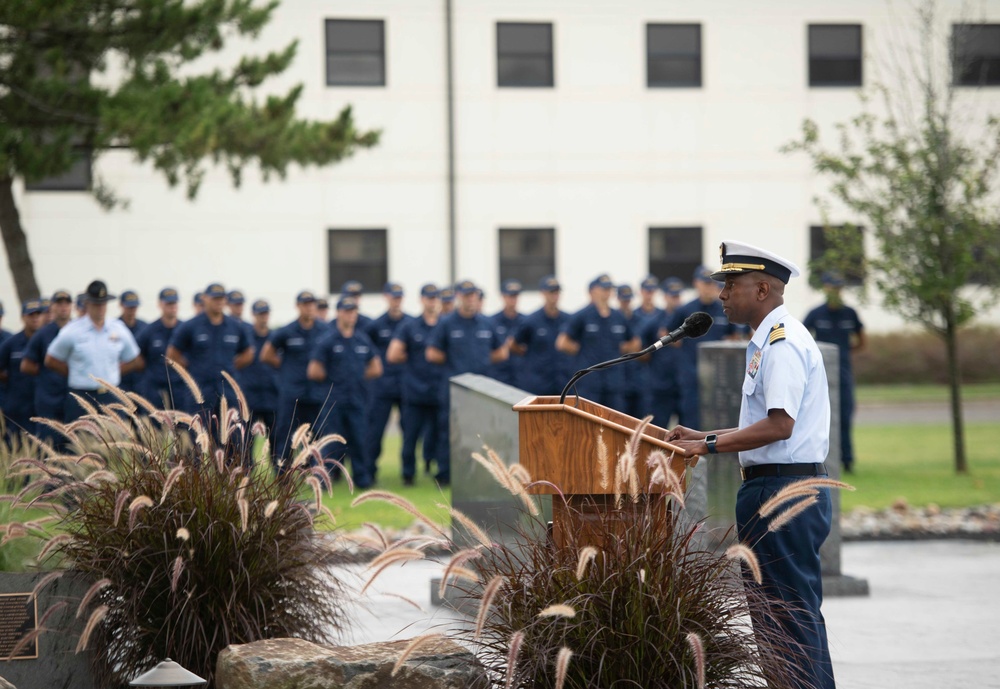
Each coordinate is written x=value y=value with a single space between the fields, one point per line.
x=102 y=292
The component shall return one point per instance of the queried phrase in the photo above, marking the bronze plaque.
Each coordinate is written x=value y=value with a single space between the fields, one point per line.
x=18 y=617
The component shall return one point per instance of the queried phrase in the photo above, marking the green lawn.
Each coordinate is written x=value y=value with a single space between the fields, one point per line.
x=424 y=495
x=915 y=462
x=923 y=393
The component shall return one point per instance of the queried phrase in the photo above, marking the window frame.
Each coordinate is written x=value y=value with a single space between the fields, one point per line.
x=328 y=52
x=683 y=269
x=66 y=182
x=955 y=55
x=551 y=56
x=337 y=275
x=528 y=270
x=860 y=59
x=852 y=278
x=650 y=56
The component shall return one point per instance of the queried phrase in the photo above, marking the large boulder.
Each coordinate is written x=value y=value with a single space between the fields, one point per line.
x=297 y=664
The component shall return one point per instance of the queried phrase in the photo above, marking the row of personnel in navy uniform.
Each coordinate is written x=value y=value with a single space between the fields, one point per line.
x=283 y=398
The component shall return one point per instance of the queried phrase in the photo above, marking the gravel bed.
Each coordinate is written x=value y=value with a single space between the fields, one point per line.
x=904 y=522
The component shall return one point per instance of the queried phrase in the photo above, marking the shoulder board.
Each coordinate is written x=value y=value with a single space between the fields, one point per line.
x=777 y=333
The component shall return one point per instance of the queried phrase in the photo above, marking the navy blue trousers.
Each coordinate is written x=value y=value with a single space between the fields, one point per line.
x=419 y=421
x=790 y=568
x=378 y=417
x=846 y=421
x=350 y=421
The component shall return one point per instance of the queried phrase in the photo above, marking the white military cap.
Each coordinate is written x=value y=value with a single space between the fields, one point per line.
x=739 y=257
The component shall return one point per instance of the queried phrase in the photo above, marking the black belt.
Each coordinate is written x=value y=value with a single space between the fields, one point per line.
x=760 y=470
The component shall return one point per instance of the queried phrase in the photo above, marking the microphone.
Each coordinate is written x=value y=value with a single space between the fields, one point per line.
x=695 y=325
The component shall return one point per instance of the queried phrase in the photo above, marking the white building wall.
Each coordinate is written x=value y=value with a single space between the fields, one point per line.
x=600 y=157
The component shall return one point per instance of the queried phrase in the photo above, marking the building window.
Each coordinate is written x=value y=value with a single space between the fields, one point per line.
x=360 y=255
x=975 y=54
x=524 y=55
x=527 y=255
x=76 y=178
x=835 y=55
x=673 y=55
x=675 y=252
x=355 y=52
x=837 y=249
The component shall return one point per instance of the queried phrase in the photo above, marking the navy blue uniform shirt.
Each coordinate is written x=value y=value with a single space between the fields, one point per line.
x=600 y=339
x=259 y=380
x=295 y=345
x=4 y=335
x=544 y=369
x=835 y=326
x=345 y=360
x=380 y=331
x=421 y=379
x=20 y=387
x=466 y=342
x=664 y=361
x=721 y=328
x=50 y=387
x=210 y=349
x=158 y=375
x=508 y=371
x=131 y=382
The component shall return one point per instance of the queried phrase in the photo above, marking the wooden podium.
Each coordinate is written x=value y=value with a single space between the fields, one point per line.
x=559 y=444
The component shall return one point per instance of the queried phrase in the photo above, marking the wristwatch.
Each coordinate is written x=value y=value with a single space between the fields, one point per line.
x=710 y=441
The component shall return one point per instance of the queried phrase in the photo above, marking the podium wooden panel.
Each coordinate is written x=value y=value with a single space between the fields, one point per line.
x=558 y=444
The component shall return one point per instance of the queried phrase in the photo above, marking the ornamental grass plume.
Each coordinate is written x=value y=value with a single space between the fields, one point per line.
x=636 y=601
x=193 y=544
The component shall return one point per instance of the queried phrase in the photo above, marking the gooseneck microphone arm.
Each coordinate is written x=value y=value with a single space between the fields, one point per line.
x=695 y=325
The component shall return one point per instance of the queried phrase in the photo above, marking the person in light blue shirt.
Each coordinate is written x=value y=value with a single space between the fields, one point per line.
x=20 y=404
x=93 y=347
x=544 y=369
x=783 y=436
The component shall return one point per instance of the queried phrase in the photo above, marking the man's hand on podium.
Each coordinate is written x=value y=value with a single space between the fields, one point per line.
x=690 y=442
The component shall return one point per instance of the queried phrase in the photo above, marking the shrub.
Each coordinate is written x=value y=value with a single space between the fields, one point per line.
x=190 y=546
x=646 y=607
x=919 y=357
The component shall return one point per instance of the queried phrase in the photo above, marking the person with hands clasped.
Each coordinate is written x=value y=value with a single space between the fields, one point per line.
x=783 y=436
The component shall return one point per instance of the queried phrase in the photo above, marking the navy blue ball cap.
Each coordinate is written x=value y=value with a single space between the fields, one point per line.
x=235 y=297
x=305 y=297
x=603 y=281
x=672 y=286
x=261 y=306
x=511 y=287
x=32 y=306
x=549 y=283
x=214 y=291
x=169 y=295
x=392 y=289
x=97 y=292
x=322 y=303
x=739 y=258
x=347 y=304
x=81 y=299
x=625 y=292
x=61 y=295
x=197 y=298
x=353 y=288
x=650 y=283
x=832 y=279
x=129 y=298
x=430 y=291
x=46 y=303
x=466 y=287
x=447 y=294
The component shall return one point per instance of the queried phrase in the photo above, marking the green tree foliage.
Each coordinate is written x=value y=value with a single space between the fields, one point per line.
x=920 y=175
x=83 y=76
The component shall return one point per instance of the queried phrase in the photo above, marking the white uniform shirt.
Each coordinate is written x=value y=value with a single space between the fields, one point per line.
x=785 y=371
x=89 y=351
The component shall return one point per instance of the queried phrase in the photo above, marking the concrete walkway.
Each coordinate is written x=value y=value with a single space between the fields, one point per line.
x=973 y=411
x=932 y=620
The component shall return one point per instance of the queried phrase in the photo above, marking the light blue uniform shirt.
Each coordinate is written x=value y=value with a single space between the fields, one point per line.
x=92 y=351
x=788 y=374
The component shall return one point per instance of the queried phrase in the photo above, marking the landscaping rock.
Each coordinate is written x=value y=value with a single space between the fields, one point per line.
x=297 y=664
x=4 y=684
